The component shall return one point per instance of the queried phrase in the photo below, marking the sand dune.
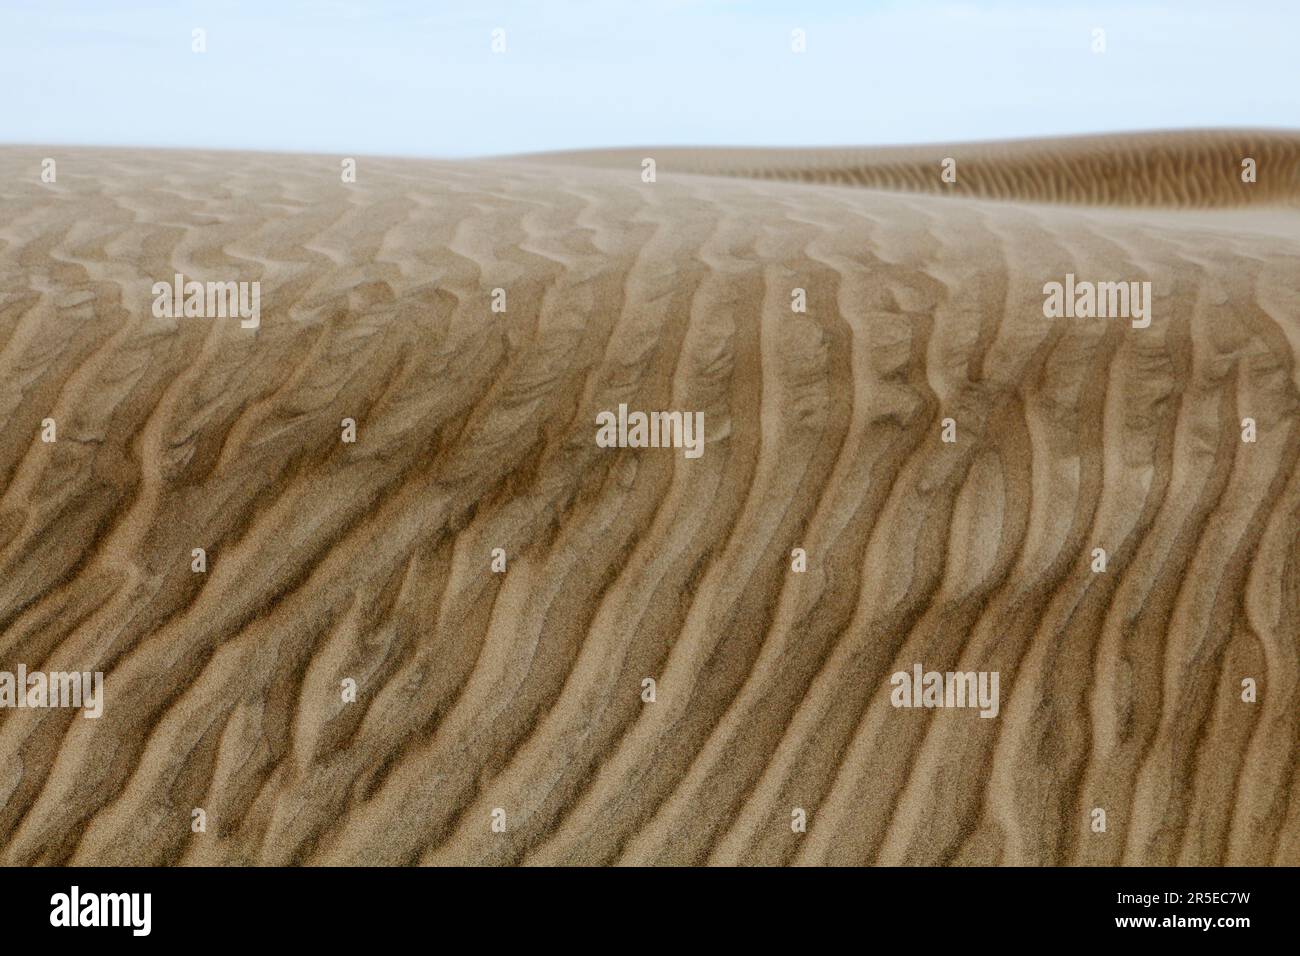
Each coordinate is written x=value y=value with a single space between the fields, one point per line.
x=522 y=691
x=1175 y=169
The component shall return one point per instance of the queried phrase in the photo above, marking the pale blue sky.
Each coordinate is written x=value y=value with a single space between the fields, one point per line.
x=346 y=76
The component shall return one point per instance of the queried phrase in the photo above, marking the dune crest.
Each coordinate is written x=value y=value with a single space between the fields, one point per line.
x=499 y=587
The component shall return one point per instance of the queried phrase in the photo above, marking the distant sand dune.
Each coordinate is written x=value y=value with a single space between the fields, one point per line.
x=522 y=690
x=1181 y=170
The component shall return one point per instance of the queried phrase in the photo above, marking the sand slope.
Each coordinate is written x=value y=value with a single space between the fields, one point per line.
x=521 y=691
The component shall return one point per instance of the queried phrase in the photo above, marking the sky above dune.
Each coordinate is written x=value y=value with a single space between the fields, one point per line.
x=412 y=78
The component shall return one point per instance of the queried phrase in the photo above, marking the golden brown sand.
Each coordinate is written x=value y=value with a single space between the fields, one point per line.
x=475 y=430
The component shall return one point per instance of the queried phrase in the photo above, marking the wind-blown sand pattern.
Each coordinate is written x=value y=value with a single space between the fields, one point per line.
x=477 y=690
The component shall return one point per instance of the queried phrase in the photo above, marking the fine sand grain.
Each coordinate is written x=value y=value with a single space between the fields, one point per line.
x=522 y=690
